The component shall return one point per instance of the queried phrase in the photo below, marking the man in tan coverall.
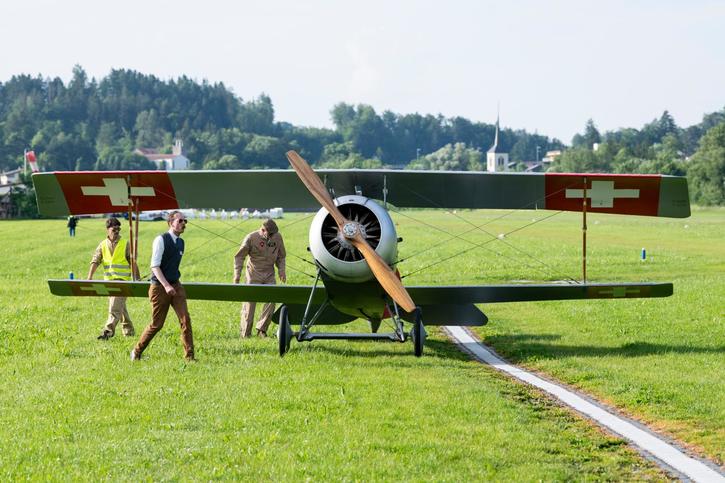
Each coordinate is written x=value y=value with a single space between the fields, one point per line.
x=265 y=249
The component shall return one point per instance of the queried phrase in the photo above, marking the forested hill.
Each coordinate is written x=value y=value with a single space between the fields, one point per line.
x=97 y=124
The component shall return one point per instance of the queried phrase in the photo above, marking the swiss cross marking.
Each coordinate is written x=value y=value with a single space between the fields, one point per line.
x=100 y=289
x=117 y=191
x=602 y=194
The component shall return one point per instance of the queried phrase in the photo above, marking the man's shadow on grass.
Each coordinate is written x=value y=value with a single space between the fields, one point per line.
x=543 y=346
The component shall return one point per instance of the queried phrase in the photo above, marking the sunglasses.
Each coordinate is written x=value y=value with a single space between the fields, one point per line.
x=116 y=228
x=182 y=220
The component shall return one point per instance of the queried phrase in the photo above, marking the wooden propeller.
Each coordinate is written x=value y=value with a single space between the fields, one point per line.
x=351 y=231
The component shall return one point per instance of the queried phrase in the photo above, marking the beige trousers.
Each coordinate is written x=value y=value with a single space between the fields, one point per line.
x=117 y=313
x=248 y=308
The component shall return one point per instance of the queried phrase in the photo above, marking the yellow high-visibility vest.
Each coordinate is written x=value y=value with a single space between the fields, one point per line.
x=115 y=265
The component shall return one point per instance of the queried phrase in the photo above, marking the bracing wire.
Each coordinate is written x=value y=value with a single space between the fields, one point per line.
x=234 y=242
x=493 y=237
x=482 y=245
x=454 y=236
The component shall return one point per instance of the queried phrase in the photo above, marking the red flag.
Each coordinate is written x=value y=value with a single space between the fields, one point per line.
x=30 y=158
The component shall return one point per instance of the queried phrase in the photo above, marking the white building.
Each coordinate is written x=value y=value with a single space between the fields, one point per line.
x=10 y=177
x=496 y=159
x=167 y=162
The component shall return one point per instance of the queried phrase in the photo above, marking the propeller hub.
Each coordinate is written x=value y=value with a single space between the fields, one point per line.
x=350 y=229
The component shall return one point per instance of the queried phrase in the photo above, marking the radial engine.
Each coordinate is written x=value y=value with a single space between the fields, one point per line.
x=335 y=256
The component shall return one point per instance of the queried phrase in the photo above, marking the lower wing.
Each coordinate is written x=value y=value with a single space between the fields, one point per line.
x=453 y=305
x=284 y=294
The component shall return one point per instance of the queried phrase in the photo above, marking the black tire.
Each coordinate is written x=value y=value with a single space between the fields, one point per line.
x=285 y=332
x=418 y=333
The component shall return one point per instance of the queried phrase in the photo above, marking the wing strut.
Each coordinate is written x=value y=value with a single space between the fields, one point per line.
x=133 y=233
x=135 y=240
x=130 y=221
x=584 y=232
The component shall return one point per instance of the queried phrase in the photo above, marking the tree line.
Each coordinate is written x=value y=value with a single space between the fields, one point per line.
x=92 y=124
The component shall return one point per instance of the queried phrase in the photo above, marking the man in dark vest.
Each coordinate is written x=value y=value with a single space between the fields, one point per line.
x=166 y=289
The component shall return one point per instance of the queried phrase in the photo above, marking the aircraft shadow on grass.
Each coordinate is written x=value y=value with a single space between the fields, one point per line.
x=434 y=348
x=441 y=349
x=542 y=346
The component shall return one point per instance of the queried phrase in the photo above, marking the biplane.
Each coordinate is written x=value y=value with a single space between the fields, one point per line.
x=353 y=239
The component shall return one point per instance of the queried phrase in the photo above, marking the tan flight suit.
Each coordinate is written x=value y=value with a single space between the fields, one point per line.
x=117 y=311
x=264 y=254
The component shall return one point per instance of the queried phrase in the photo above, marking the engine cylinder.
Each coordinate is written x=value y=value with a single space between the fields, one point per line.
x=335 y=254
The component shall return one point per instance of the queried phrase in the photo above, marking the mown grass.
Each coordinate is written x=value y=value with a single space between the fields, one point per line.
x=75 y=408
x=660 y=360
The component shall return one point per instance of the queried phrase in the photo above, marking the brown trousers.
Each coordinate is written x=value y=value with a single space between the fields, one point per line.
x=160 y=303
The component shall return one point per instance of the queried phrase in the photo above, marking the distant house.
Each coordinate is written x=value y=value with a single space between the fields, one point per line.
x=166 y=162
x=543 y=164
x=533 y=166
x=8 y=181
x=10 y=177
x=551 y=156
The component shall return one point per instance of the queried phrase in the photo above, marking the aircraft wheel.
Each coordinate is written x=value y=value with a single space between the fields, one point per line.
x=284 y=332
x=418 y=333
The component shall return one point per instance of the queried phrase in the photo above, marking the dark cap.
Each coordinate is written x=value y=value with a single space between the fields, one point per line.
x=270 y=226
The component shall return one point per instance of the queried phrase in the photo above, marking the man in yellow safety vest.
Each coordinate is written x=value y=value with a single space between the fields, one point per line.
x=115 y=254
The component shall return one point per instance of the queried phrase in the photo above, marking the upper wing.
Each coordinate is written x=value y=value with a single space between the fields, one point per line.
x=86 y=192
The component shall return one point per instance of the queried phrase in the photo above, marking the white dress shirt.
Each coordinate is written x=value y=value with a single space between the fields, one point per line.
x=157 y=251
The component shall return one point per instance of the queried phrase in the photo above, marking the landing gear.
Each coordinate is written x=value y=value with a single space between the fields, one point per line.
x=284 y=332
x=418 y=333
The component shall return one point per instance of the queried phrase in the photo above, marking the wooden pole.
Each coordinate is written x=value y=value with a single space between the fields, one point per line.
x=130 y=220
x=135 y=241
x=584 y=232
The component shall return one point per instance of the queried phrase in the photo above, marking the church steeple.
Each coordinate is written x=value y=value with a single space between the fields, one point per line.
x=494 y=148
x=496 y=159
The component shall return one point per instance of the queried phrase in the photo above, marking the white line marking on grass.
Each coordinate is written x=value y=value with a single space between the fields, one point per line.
x=645 y=439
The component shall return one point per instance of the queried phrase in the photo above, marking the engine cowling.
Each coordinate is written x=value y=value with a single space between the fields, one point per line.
x=335 y=255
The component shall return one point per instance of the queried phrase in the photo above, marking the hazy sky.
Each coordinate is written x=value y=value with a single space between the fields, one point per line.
x=551 y=65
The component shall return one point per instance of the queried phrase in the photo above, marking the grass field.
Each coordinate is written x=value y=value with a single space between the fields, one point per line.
x=72 y=407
